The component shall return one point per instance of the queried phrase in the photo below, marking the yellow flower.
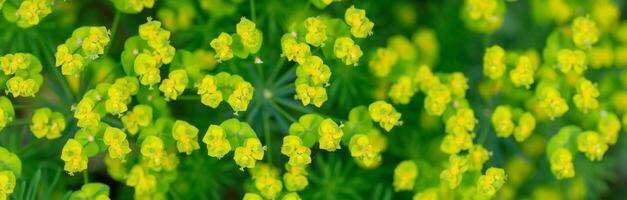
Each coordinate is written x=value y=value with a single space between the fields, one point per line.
x=152 y=148
x=247 y=155
x=608 y=127
x=455 y=142
x=63 y=55
x=552 y=102
x=251 y=36
x=330 y=135
x=217 y=144
x=438 y=98
x=47 y=123
x=364 y=149
x=462 y=122
x=7 y=183
x=405 y=175
x=72 y=155
x=585 y=99
x=382 y=61
x=571 y=59
x=585 y=32
x=361 y=26
x=142 y=180
x=453 y=174
x=402 y=91
x=208 y=89
x=485 y=16
x=73 y=67
x=175 y=84
x=115 y=139
x=502 y=121
x=140 y=116
x=491 y=182
x=22 y=87
x=311 y=94
x=241 y=96
x=494 y=62
x=524 y=72
x=313 y=72
x=268 y=186
x=385 y=114
x=316 y=31
x=592 y=144
x=346 y=50
x=222 y=47
x=296 y=177
x=186 y=136
x=477 y=156
x=526 y=124
x=290 y=144
x=562 y=164
x=95 y=42
x=293 y=50
x=152 y=32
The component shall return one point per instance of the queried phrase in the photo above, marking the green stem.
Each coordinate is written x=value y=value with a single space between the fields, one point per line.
x=266 y=127
x=114 y=30
x=253 y=10
x=85 y=177
x=275 y=71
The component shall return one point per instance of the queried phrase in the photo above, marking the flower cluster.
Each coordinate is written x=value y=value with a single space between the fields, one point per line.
x=361 y=26
x=405 y=175
x=22 y=74
x=459 y=128
x=46 y=123
x=74 y=157
x=312 y=76
x=233 y=134
x=485 y=16
x=119 y=95
x=238 y=92
x=491 y=181
x=139 y=117
x=247 y=40
x=346 y=50
x=299 y=158
x=503 y=123
x=316 y=31
x=175 y=84
x=117 y=144
x=86 y=44
x=29 y=12
x=146 y=53
x=385 y=114
x=186 y=136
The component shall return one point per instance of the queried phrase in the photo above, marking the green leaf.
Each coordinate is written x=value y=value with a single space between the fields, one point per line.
x=359 y=122
x=307 y=129
x=566 y=137
x=132 y=47
x=10 y=161
x=237 y=132
x=238 y=47
x=90 y=191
